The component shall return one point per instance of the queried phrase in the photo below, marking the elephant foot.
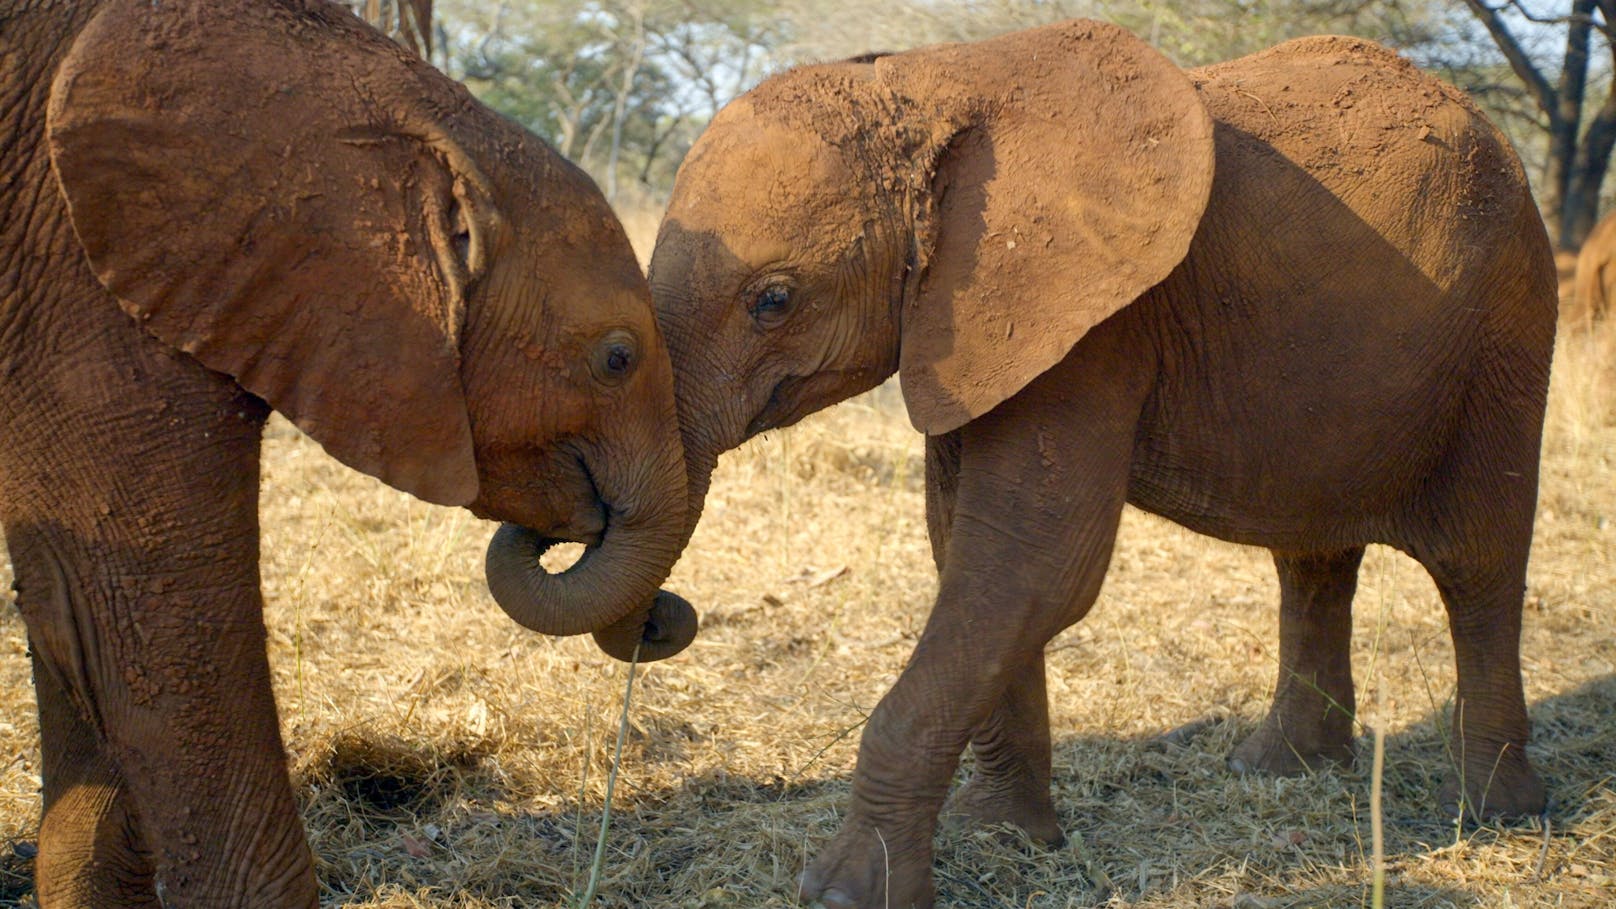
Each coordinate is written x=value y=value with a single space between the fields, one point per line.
x=1271 y=750
x=1016 y=800
x=1503 y=789
x=866 y=868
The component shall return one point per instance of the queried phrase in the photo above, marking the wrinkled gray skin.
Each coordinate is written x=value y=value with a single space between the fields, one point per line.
x=1338 y=335
x=210 y=208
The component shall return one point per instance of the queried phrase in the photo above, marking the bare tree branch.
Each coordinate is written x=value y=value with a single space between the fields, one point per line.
x=1518 y=59
x=1602 y=25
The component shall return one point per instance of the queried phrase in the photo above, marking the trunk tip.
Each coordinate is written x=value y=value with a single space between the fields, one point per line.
x=662 y=631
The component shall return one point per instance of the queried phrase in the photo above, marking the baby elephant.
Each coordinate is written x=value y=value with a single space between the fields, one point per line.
x=209 y=208
x=1302 y=300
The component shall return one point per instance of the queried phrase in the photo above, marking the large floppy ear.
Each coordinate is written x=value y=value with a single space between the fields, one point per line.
x=1068 y=168
x=264 y=186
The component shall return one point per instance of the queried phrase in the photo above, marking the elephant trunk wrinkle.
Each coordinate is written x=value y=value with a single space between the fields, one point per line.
x=613 y=585
x=573 y=601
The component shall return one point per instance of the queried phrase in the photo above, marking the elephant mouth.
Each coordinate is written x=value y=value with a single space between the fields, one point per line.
x=582 y=533
x=587 y=526
x=776 y=413
x=795 y=397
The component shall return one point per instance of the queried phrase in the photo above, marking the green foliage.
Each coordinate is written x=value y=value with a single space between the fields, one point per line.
x=620 y=86
x=624 y=86
x=1192 y=32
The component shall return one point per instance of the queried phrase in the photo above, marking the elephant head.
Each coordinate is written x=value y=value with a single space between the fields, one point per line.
x=423 y=287
x=934 y=213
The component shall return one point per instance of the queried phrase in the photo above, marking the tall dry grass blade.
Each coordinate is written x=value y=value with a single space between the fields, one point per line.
x=1377 y=772
x=611 y=785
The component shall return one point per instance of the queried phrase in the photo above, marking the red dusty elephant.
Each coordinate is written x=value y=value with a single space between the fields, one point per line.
x=211 y=208
x=1301 y=300
x=1593 y=285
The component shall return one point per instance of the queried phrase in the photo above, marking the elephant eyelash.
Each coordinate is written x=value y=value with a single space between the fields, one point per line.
x=771 y=297
x=771 y=305
x=773 y=284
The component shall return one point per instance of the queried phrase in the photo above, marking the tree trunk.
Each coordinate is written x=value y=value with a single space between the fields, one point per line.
x=409 y=22
x=1565 y=120
x=1581 y=208
x=623 y=91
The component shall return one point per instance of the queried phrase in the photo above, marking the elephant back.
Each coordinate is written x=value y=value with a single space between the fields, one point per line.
x=1594 y=276
x=1404 y=151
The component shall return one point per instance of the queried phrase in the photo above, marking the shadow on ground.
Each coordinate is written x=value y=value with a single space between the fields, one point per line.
x=1150 y=822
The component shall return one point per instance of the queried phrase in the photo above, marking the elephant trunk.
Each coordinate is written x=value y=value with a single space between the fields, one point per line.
x=611 y=590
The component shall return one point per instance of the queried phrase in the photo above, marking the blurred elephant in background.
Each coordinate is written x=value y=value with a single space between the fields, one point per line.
x=1302 y=300
x=212 y=208
x=1593 y=285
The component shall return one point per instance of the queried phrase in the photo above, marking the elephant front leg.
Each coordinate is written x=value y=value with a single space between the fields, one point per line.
x=165 y=776
x=1036 y=513
x=137 y=578
x=90 y=850
x=1012 y=749
x=907 y=755
x=1310 y=722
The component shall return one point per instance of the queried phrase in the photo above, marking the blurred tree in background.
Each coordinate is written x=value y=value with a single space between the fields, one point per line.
x=620 y=86
x=1551 y=62
x=624 y=86
x=409 y=22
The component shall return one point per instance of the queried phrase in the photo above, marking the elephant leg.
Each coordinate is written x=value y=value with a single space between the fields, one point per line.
x=129 y=492
x=942 y=487
x=1473 y=533
x=160 y=646
x=1310 y=723
x=1011 y=782
x=1493 y=777
x=91 y=854
x=1042 y=481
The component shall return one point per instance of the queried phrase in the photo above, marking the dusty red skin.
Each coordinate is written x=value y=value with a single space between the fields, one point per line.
x=212 y=208
x=1594 y=286
x=1301 y=300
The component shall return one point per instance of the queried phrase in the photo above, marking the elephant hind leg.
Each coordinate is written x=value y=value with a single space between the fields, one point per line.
x=90 y=854
x=1013 y=760
x=1473 y=532
x=1491 y=777
x=1310 y=722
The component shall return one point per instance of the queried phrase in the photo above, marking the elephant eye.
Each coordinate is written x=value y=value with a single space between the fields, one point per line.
x=614 y=359
x=771 y=304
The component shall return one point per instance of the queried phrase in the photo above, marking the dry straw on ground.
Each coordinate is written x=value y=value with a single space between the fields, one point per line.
x=444 y=757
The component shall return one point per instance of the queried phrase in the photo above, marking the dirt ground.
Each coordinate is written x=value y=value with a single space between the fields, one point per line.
x=444 y=757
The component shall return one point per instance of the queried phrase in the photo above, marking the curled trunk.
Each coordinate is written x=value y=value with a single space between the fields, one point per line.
x=611 y=590
x=671 y=623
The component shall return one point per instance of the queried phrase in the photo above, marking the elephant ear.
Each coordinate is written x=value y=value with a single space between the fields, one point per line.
x=256 y=185
x=1068 y=167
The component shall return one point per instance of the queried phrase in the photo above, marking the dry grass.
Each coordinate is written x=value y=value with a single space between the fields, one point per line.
x=446 y=758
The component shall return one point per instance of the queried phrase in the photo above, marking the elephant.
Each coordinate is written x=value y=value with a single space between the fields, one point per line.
x=1301 y=300
x=215 y=208
x=1594 y=281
